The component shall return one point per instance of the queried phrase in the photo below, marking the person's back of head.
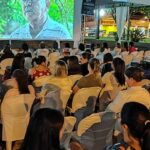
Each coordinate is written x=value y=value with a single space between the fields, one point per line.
x=21 y=78
x=131 y=43
x=92 y=46
x=40 y=60
x=44 y=130
x=108 y=58
x=25 y=47
x=135 y=120
x=86 y=55
x=106 y=68
x=118 y=45
x=18 y=62
x=7 y=49
x=81 y=47
x=135 y=73
x=88 y=51
x=67 y=45
x=119 y=70
x=105 y=45
x=61 y=69
x=94 y=65
x=126 y=46
x=42 y=45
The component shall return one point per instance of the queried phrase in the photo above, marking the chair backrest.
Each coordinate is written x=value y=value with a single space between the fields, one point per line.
x=6 y=63
x=98 y=135
x=39 y=82
x=28 y=63
x=68 y=128
x=15 y=116
x=75 y=78
x=127 y=59
x=81 y=97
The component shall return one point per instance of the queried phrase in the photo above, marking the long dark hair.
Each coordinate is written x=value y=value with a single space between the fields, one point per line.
x=43 y=130
x=137 y=117
x=119 y=68
x=22 y=80
x=18 y=62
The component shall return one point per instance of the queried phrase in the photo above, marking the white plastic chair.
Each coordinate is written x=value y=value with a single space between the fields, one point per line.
x=127 y=59
x=75 y=78
x=15 y=112
x=6 y=63
x=69 y=124
x=81 y=97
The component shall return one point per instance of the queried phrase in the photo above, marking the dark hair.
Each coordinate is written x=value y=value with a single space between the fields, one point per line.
x=55 y=45
x=131 y=43
x=92 y=46
x=40 y=60
x=137 y=117
x=67 y=45
x=42 y=45
x=135 y=72
x=108 y=57
x=119 y=70
x=105 y=45
x=106 y=68
x=118 y=45
x=43 y=130
x=7 y=49
x=22 y=80
x=86 y=55
x=88 y=51
x=73 y=65
x=25 y=47
x=126 y=46
x=18 y=62
x=95 y=65
x=81 y=47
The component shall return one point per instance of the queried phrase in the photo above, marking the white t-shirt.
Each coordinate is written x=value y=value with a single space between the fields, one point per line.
x=43 y=52
x=132 y=94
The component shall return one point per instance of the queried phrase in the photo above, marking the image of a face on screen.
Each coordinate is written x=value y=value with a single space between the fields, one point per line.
x=36 y=19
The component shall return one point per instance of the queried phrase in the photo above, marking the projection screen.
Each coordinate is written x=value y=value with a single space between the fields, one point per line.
x=36 y=19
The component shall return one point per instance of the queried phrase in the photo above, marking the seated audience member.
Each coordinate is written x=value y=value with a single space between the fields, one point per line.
x=7 y=53
x=18 y=63
x=19 y=84
x=125 y=47
x=66 y=54
x=73 y=66
x=132 y=47
x=93 y=79
x=135 y=124
x=81 y=47
x=115 y=81
x=43 y=51
x=25 y=49
x=117 y=49
x=40 y=70
x=105 y=49
x=60 y=77
x=44 y=131
x=84 y=63
x=135 y=92
x=107 y=63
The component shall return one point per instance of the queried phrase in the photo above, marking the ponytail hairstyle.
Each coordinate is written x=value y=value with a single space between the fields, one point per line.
x=137 y=117
x=95 y=65
x=61 y=69
x=119 y=70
